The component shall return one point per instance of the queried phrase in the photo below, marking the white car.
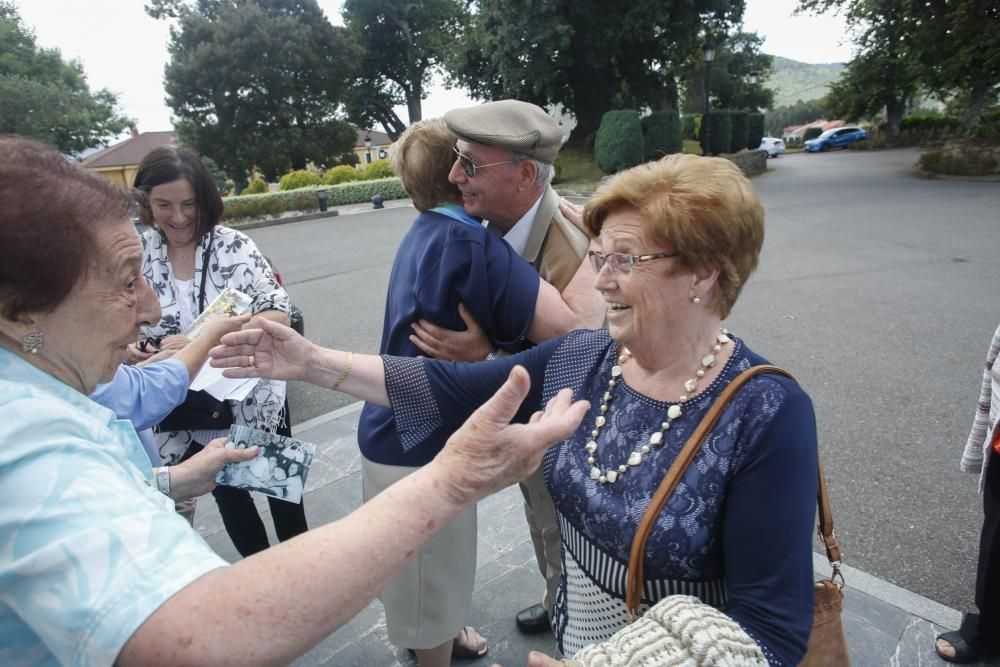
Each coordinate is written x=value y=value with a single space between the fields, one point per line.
x=773 y=146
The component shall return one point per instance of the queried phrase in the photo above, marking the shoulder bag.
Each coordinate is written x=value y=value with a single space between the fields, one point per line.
x=827 y=645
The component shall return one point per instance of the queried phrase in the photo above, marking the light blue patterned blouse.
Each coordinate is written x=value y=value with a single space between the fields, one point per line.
x=88 y=550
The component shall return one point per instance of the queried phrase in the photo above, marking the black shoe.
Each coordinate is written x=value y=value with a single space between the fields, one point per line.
x=533 y=620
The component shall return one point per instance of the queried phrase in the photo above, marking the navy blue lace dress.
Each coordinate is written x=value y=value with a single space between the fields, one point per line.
x=737 y=531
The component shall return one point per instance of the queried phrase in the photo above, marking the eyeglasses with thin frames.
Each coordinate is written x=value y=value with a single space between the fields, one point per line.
x=470 y=167
x=622 y=264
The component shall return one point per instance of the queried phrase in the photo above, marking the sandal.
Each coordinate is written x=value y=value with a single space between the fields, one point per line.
x=965 y=652
x=465 y=645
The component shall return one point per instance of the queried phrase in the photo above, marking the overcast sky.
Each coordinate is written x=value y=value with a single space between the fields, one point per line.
x=123 y=49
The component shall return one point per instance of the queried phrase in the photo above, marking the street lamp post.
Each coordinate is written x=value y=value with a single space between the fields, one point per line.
x=708 y=51
x=752 y=79
x=368 y=147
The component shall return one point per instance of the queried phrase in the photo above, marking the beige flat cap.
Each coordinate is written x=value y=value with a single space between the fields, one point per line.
x=511 y=124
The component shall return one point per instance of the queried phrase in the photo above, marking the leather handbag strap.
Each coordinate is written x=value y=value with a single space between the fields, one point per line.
x=633 y=577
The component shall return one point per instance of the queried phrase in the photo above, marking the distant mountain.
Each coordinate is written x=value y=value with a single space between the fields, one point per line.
x=793 y=81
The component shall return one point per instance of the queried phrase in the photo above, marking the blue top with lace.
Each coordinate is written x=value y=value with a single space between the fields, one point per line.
x=736 y=532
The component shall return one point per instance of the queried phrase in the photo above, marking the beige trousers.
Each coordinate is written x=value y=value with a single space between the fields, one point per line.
x=428 y=602
x=544 y=528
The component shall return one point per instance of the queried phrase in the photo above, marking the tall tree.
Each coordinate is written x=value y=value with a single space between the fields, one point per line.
x=737 y=58
x=44 y=97
x=258 y=83
x=405 y=42
x=587 y=55
x=958 y=47
x=883 y=74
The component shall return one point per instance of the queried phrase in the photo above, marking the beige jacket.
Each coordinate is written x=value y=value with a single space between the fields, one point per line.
x=555 y=246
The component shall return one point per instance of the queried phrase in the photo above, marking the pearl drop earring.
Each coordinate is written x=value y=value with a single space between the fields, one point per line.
x=695 y=299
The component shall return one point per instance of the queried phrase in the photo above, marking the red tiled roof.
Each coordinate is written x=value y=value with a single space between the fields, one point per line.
x=129 y=152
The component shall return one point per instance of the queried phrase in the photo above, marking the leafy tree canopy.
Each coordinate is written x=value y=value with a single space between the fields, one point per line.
x=258 y=83
x=736 y=58
x=587 y=55
x=950 y=47
x=404 y=43
x=44 y=97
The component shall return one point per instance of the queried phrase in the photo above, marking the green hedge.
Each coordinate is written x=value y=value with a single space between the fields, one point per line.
x=252 y=207
x=662 y=130
x=619 y=144
x=740 y=131
x=988 y=127
x=755 y=130
x=970 y=164
x=720 y=132
x=690 y=127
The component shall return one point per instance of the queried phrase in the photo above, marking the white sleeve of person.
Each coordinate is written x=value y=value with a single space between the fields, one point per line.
x=677 y=630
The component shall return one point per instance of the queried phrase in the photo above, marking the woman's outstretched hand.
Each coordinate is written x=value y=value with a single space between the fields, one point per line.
x=272 y=351
x=488 y=453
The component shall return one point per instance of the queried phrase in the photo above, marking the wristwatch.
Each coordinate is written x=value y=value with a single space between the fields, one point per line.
x=163 y=480
x=492 y=355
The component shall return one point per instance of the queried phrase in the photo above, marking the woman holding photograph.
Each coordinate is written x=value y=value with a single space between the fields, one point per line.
x=96 y=567
x=188 y=260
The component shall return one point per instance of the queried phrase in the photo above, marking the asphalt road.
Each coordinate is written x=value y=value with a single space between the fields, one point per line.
x=875 y=287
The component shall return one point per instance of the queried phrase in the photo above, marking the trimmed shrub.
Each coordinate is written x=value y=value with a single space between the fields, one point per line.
x=970 y=164
x=755 y=130
x=377 y=169
x=257 y=187
x=720 y=132
x=662 y=130
x=619 y=144
x=738 y=138
x=252 y=207
x=811 y=133
x=341 y=174
x=689 y=128
x=299 y=178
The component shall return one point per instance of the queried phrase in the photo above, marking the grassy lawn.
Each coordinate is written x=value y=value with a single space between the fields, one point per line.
x=579 y=172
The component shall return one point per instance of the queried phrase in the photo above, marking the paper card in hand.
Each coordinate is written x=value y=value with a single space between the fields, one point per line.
x=279 y=470
x=229 y=302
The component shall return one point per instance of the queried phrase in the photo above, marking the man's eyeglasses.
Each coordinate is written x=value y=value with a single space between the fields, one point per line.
x=620 y=263
x=470 y=167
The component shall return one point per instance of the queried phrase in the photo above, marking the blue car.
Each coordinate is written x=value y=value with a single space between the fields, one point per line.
x=839 y=137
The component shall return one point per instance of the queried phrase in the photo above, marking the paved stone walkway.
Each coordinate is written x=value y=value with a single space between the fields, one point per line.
x=885 y=624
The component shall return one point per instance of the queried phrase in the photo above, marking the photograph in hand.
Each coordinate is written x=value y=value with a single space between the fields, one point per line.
x=279 y=470
x=229 y=302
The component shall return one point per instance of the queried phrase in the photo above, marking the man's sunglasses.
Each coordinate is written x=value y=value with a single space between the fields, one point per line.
x=470 y=167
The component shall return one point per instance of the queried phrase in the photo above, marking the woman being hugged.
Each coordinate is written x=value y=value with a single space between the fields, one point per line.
x=450 y=270
x=730 y=556
x=188 y=260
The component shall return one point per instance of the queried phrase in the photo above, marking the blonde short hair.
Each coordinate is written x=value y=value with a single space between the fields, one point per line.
x=702 y=207
x=422 y=158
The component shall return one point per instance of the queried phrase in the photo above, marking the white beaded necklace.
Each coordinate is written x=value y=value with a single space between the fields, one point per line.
x=611 y=475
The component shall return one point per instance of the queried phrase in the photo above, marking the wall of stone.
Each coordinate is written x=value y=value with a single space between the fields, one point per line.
x=750 y=162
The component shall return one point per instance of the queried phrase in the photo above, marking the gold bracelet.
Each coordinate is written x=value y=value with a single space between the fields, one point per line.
x=346 y=372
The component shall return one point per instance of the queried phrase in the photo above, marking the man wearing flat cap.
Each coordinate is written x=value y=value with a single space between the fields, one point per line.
x=503 y=167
